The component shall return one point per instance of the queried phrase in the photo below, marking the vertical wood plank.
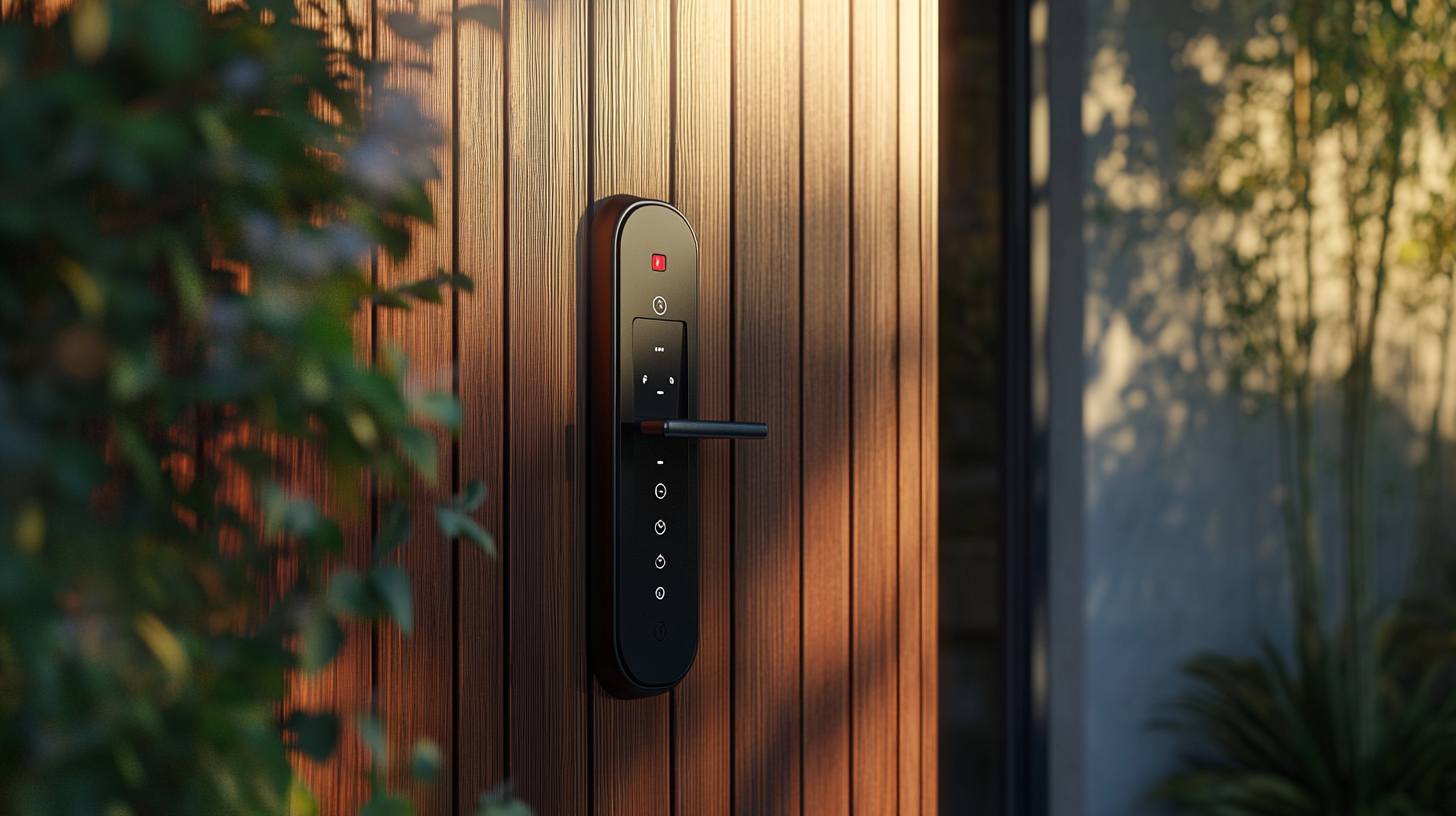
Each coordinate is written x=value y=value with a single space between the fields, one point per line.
x=546 y=55
x=874 y=410
x=929 y=70
x=766 y=564
x=344 y=687
x=702 y=173
x=415 y=679
x=631 y=153
x=480 y=716
x=826 y=402
x=911 y=358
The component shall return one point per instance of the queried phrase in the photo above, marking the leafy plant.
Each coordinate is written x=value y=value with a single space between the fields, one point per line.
x=190 y=203
x=1278 y=740
x=1331 y=112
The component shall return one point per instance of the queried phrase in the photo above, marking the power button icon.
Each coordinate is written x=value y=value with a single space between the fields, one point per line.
x=661 y=561
x=659 y=305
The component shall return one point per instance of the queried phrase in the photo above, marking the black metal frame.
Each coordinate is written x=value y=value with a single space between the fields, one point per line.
x=1024 y=552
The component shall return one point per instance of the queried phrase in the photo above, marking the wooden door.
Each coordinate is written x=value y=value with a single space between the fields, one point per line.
x=798 y=138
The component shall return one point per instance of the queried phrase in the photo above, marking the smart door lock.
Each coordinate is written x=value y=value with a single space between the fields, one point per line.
x=643 y=434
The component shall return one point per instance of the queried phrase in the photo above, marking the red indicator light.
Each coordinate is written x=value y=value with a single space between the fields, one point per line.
x=659 y=263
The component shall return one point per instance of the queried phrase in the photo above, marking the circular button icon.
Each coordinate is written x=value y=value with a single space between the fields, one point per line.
x=660 y=491
x=661 y=561
x=660 y=526
x=660 y=630
x=660 y=593
x=659 y=304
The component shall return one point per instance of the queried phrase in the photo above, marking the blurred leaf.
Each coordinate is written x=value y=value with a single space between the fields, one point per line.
x=320 y=642
x=139 y=455
x=425 y=761
x=500 y=802
x=30 y=528
x=393 y=531
x=472 y=497
x=441 y=407
x=371 y=733
x=187 y=278
x=83 y=287
x=326 y=535
x=388 y=806
x=91 y=29
x=164 y=644
x=350 y=594
x=455 y=524
x=314 y=734
x=419 y=448
x=392 y=586
x=300 y=800
x=256 y=461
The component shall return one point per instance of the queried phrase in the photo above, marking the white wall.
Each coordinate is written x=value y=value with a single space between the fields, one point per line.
x=1182 y=537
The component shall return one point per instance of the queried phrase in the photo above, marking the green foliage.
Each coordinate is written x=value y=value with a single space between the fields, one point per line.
x=190 y=204
x=1275 y=741
x=1331 y=114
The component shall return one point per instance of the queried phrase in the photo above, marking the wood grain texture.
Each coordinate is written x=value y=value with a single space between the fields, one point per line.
x=928 y=239
x=874 y=411
x=911 y=372
x=416 y=673
x=631 y=153
x=702 y=703
x=345 y=686
x=826 y=408
x=767 y=501
x=480 y=714
x=547 y=196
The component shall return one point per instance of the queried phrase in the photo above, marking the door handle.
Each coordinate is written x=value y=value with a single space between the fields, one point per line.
x=704 y=429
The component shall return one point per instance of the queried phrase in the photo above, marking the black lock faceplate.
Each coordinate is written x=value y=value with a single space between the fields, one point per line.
x=642 y=350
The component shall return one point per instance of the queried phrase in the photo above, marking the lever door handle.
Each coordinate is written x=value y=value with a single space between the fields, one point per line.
x=705 y=429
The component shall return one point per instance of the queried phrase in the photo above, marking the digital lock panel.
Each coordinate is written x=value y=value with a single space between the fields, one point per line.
x=643 y=436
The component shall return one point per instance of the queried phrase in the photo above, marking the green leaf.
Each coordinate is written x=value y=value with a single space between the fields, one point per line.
x=326 y=535
x=314 y=734
x=440 y=406
x=455 y=524
x=499 y=801
x=472 y=497
x=255 y=461
x=425 y=761
x=392 y=586
x=419 y=448
x=349 y=594
x=139 y=456
x=300 y=800
x=388 y=806
x=371 y=733
x=187 y=278
x=396 y=362
x=394 y=531
x=320 y=642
